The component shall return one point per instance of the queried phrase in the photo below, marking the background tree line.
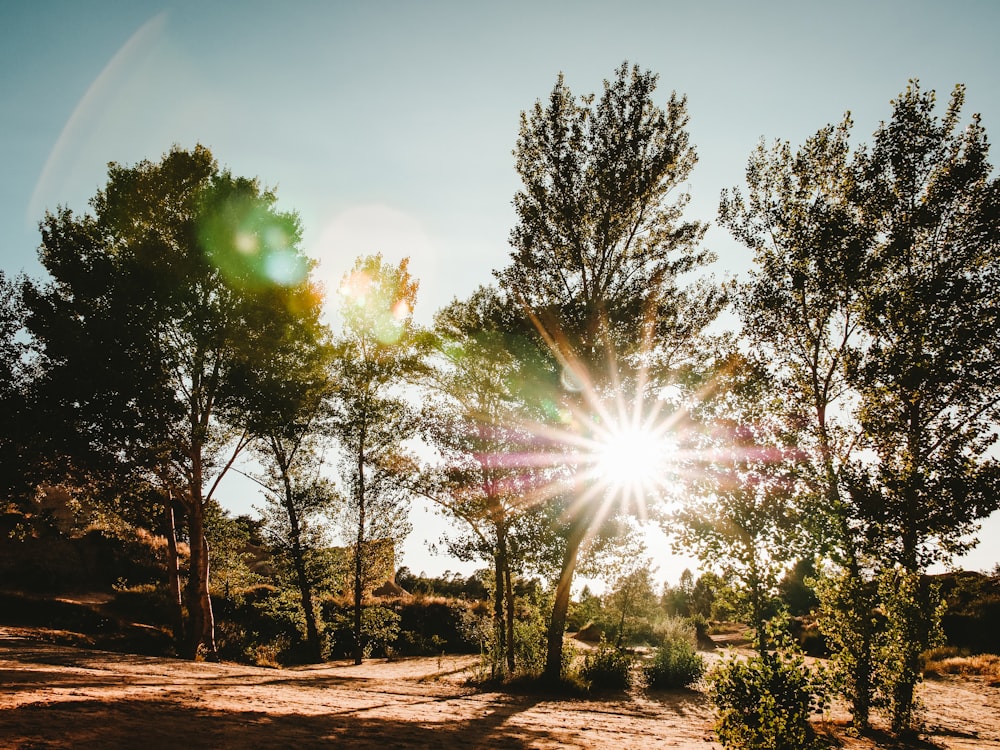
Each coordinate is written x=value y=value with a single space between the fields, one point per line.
x=848 y=421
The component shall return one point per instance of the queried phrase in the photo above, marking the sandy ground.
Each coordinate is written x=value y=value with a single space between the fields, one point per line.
x=54 y=696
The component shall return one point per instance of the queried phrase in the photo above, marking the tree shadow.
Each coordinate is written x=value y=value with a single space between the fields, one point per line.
x=156 y=724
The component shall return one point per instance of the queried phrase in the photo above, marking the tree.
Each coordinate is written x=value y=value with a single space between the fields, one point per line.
x=930 y=383
x=480 y=424
x=15 y=391
x=598 y=250
x=292 y=423
x=296 y=515
x=745 y=518
x=878 y=286
x=484 y=424
x=799 y=312
x=631 y=599
x=168 y=309
x=375 y=356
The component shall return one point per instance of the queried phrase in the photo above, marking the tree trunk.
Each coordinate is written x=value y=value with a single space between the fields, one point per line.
x=299 y=563
x=560 y=606
x=173 y=573
x=509 y=596
x=201 y=631
x=499 y=641
x=195 y=625
x=359 y=646
x=305 y=594
x=208 y=615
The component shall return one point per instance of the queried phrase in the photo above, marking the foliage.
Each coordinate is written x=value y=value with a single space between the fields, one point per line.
x=795 y=590
x=929 y=383
x=852 y=624
x=290 y=425
x=380 y=629
x=168 y=312
x=260 y=625
x=631 y=601
x=18 y=462
x=913 y=623
x=599 y=250
x=972 y=619
x=448 y=584
x=484 y=400
x=295 y=526
x=607 y=667
x=232 y=552
x=764 y=702
x=375 y=355
x=746 y=521
x=875 y=286
x=675 y=664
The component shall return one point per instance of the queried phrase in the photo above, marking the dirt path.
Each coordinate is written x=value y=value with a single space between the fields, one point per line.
x=54 y=696
x=61 y=697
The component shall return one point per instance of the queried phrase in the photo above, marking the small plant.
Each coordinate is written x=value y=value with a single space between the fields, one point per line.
x=607 y=668
x=765 y=702
x=675 y=664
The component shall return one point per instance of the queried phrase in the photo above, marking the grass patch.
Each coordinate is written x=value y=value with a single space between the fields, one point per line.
x=952 y=661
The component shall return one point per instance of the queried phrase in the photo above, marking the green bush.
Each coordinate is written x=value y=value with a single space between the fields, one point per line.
x=379 y=632
x=261 y=620
x=701 y=626
x=607 y=668
x=675 y=664
x=764 y=702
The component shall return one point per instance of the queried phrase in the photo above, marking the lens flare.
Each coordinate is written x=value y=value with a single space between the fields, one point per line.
x=631 y=457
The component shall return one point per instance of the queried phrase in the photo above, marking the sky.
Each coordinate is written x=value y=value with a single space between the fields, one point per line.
x=389 y=126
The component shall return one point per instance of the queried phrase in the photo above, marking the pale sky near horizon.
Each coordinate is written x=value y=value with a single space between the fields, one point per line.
x=389 y=125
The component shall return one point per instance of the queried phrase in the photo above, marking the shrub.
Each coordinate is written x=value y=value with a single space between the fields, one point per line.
x=673 y=630
x=379 y=632
x=765 y=702
x=675 y=664
x=701 y=626
x=607 y=668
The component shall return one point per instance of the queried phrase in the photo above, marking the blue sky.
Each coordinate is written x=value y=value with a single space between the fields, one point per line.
x=389 y=125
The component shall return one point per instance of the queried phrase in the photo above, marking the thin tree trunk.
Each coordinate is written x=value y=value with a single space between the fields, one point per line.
x=208 y=615
x=500 y=642
x=305 y=594
x=195 y=625
x=173 y=572
x=299 y=563
x=359 y=646
x=202 y=631
x=509 y=597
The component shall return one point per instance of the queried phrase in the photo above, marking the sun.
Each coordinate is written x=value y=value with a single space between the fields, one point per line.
x=633 y=464
x=630 y=457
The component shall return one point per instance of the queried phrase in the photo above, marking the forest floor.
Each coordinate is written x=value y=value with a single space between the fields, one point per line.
x=54 y=695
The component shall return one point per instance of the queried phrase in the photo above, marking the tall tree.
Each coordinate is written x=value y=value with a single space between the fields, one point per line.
x=486 y=403
x=930 y=385
x=800 y=312
x=299 y=506
x=15 y=381
x=167 y=310
x=598 y=252
x=290 y=417
x=745 y=519
x=375 y=356
x=875 y=293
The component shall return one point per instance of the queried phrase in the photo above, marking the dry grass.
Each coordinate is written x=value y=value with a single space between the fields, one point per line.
x=949 y=660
